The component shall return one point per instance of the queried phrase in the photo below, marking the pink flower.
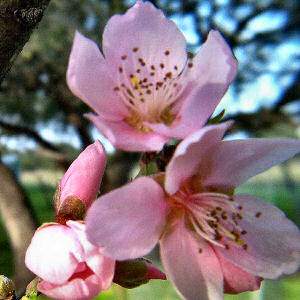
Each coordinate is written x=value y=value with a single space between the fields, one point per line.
x=145 y=88
x=81 y=183
x=70 y=266
x=211 y=240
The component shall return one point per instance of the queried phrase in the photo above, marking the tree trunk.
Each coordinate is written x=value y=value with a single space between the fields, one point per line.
x=18 y=222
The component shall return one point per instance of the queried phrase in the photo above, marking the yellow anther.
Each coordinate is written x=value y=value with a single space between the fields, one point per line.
x=135 y=81
x=239 y=241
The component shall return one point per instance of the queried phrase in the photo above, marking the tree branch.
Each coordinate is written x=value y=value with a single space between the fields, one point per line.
x=17 y=129
x=18 y=18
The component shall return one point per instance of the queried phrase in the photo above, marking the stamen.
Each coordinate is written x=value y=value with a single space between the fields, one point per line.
x=258 y=215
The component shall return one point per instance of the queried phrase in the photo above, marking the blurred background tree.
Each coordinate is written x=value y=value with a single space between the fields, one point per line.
x=41 y=122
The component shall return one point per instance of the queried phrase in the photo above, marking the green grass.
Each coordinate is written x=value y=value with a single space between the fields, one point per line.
x=288 y=288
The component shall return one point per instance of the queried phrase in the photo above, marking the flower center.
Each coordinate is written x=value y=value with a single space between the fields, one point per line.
x=150 y=91
x=213 y=216
x=82 y=271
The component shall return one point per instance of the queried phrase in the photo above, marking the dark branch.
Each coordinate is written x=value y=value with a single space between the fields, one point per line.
x=17 y=129
x=18 y=18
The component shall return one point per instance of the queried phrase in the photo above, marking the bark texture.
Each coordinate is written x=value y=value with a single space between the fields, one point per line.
x=18 y=222
x=18 y=18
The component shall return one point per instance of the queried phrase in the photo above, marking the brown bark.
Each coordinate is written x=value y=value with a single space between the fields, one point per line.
x=18 y=18
x=18 y=223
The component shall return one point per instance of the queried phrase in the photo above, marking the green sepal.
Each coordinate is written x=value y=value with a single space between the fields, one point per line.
x=31 y=290
x=131 y=273
x=217 y=119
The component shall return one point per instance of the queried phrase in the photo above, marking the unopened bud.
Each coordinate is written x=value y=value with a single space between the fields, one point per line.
x=31 y=289
x=82 y=179
x=135 y=272
x=7 y=288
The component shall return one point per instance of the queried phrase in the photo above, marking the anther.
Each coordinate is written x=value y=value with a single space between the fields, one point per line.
x=120 y=69
x=224 y=216
x=190 y=55
x=162 y=65
x=123 y=57
x=167 y=52
x=245 y=247
x=227 y=247
x=218 y=236
x=116 y=88
x=190 y=64
x=244 y=232
x=258 y=215
x=200 y=250
x=175 y=68
x=169 y=75
x=135 y=49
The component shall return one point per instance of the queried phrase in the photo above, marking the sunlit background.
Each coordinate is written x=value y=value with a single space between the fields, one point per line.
x=42 y=128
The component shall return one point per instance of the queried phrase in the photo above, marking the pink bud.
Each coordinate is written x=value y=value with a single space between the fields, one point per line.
x=82 y=179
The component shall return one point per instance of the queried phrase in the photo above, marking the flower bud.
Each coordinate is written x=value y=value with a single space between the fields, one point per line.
x=31 y=289
x=80 y=184
x=7 y=288
x=133 y=273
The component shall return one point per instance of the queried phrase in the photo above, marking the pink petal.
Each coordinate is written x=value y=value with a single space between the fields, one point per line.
x=128 y=221
x=82 y=179
x=125 y=137
x=195 y=275
x=234 y=162
x=143 y=27
x=54 y=253
x=177 y=130
x=76 y=289
x=236 y=280
x=101 y=265
x=273 y=241
x=214 y=69
x=88 y=78
x=190 y=153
